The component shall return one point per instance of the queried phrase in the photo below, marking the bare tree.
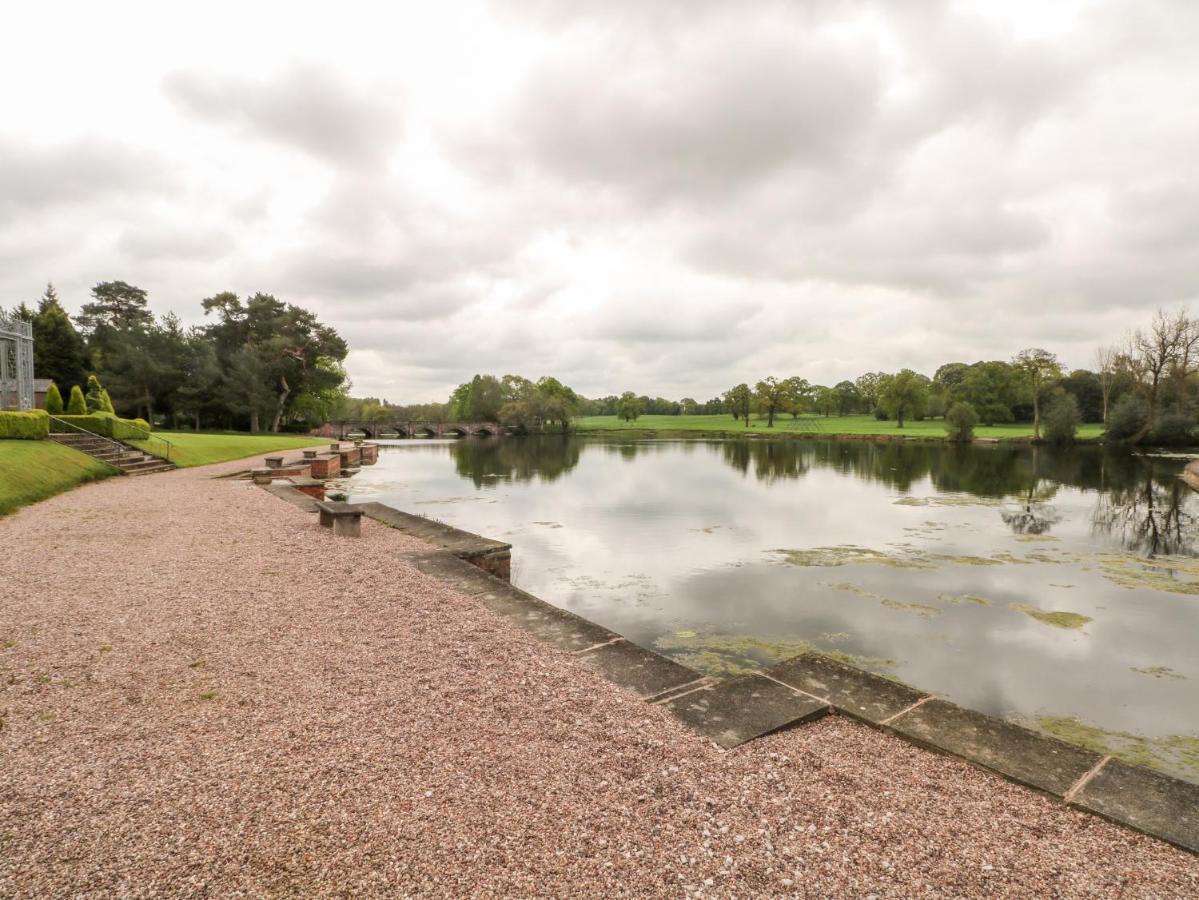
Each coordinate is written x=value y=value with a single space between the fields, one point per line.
x=1040 y=369
x=1188 y=358
x=1107 y=361
x=1154 y=352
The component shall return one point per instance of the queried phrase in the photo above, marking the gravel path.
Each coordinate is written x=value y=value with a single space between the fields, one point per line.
x=205 y=694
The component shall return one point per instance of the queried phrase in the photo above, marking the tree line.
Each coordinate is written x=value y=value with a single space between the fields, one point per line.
x=260 y=363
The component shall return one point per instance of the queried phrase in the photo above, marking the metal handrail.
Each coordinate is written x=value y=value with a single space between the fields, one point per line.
x=153 y=437
x=148 y=437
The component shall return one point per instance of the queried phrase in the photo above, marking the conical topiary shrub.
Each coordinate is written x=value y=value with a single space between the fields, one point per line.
x=76 y=406
x=106 y=402
x=95 y=394
x=54 y=400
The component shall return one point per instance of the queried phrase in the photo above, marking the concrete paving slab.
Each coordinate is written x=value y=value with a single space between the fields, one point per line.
x=460 y=574
x=1149 y=801
x=862 y=695
x=642 y=671
x=1016 y=753
x=744 y=708
x=292 y=495
x=549 y=624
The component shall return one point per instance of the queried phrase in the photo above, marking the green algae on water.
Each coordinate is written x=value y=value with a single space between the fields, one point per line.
x=961 y=599
x=1057 y=619
x=847 y=555
x=729 y=655
x=1158 y=672
x=1176 y=754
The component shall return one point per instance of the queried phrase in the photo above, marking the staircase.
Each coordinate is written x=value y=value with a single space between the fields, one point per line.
x=129 y=460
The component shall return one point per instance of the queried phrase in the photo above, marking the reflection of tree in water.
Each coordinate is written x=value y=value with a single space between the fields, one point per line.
x=1035 y=515
x=1150 y=517
x=771 y=460
x=519 y=459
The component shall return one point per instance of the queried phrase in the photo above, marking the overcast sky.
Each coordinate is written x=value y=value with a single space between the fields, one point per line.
x=666 y=197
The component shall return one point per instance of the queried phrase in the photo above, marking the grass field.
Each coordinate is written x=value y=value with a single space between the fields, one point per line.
x=201 y=449
x=785 y=425
x=34 y=470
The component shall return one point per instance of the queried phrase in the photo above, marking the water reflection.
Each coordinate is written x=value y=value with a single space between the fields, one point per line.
x=940 y=565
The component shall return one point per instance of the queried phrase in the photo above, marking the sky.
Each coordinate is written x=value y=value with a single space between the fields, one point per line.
x=667 y=197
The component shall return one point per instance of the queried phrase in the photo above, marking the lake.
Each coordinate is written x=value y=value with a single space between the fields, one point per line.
x=1055 y=588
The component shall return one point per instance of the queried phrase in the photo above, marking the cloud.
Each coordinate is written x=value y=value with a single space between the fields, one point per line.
x=307 y=108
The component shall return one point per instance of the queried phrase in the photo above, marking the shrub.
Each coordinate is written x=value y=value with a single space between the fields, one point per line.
x=95 y=394
x=33 y=425
x=140 y=423
x=1061 y=418
x=53 y=400
x=960 y=421
x=880 y=414
x=1173 y=429
x=77 y=406
x=107 y=425
x=106 y=402
x=1127 y=418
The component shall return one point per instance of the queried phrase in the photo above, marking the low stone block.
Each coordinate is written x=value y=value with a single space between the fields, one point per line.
x=857 y=693
x=309 y=454
x=1149 y=801
x=327 y=466
x=743 y=708
x=641 y=671
x=1016 y=753
x=370 y=454
x=274 y=462
x=350 y=458
x=261 y=475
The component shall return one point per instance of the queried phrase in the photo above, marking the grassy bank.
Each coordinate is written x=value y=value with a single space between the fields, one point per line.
x=832 y=426
x=34 y=470
x=202 y=449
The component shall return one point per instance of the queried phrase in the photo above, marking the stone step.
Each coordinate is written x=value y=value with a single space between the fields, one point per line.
x=141 y=464
x=151 y=470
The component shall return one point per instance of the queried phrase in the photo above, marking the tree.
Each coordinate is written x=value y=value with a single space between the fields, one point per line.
x=58 y=350
x=1153 y=352
x=1127 y=420
x=1061 y=419
x=738 y=399
x=1107 y=361
x=849 y=398
x=115 y=305
x=960 y=420
x=77 y=406
x=1087 y=389
x=826 y=400
x=1040 y=369
x=950 y=375
x=905 y=396
x=797 y=395
x=771 y=394
x=95 y=395
x=992 y=388
x=53 y=400
x=870 y=388
x=629 y=407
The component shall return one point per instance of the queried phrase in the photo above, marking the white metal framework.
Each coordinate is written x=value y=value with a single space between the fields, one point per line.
x=16 y=364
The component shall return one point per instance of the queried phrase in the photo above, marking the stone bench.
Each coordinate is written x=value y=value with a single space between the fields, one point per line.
x=344 y=518
x=274 y=462
x=261 y=476
x=310 y=454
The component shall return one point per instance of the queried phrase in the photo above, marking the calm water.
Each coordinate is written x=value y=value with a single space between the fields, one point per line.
x=937 y=565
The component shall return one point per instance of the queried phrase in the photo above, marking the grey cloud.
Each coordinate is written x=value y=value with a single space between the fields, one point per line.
x=307 y=108
x=78 y=173
x=153 y=243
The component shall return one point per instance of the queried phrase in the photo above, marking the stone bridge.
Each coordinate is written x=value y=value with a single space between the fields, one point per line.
x=416 y=429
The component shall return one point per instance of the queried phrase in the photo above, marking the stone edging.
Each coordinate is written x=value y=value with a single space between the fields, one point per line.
x=801 y=689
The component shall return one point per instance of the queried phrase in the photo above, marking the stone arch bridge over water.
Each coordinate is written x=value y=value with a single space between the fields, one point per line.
x=342 y=430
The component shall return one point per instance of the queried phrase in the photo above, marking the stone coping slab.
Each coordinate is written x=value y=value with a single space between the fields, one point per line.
x=1016 y=753
x=859 y=694
x=292 y=495
x=644 y=672
x=1149 y=801
x=741 y=709
x=457 y=541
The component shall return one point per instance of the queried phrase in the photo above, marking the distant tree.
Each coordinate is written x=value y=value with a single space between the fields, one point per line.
x=960 y=420
x=870 y=387
x=992 y=388
x=904 y=396
x=738 y=400
x=1108 y=360
x=826 y=400
x=628 y=407
x=950 y=375
x=689 y=406
x=1061 y=419
x=77 y=406
x=771 y=395
x=1087 y=390
x=849 y=398
x=797 y=396
x=1152 y=353
x=1126 y=421
x=53 y=400
x=58 y=350
x=115 y=305
x=1041 y=370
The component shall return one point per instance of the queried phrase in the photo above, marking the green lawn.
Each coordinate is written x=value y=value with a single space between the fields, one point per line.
x=34 y=470
x=201 y=449
x=817 y=425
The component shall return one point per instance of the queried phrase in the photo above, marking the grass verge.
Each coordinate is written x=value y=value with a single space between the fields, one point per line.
x=812 y=426
x=34 y=470
x=202 y=449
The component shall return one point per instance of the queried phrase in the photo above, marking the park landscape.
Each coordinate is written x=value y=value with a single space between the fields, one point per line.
x=627 y=450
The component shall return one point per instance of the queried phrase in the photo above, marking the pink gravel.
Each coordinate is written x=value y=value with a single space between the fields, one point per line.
x=203 y=693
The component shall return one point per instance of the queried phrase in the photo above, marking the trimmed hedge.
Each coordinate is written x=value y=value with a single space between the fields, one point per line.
x=106 y=425
x=33 y=425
